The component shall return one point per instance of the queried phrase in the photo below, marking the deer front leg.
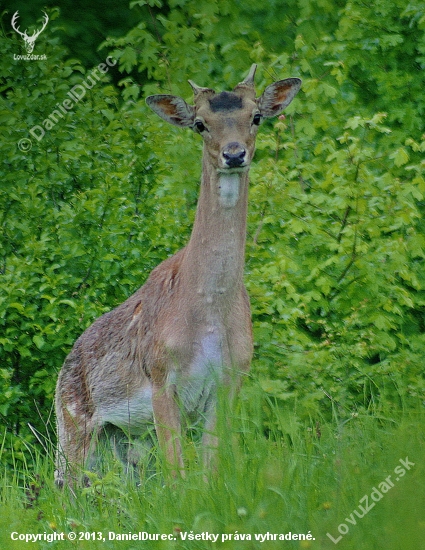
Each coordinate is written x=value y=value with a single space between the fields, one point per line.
x=210 y=440
x=168 y=426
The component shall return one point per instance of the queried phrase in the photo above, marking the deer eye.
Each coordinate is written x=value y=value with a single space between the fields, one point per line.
x=199 y=126
x=257 y=119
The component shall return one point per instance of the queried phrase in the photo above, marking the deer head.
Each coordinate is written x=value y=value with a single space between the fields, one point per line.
x=227 y=121
x=29 y=41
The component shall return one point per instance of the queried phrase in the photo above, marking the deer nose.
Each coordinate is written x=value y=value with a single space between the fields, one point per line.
x=234 y=154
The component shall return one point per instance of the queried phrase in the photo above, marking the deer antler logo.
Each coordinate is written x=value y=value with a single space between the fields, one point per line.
x=29 y=41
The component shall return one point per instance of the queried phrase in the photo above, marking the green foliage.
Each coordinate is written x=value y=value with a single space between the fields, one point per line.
x=79 y=217
x=79 y=26
x=338 y=288
x=308 y=481
x=338 y=291
x=335 y=249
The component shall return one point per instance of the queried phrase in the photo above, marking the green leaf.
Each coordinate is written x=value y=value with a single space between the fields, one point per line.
x=400 y=156
x=39 y=341
x=128 y=59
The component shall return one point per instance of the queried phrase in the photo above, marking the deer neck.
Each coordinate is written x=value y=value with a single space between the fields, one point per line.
x=214 y=258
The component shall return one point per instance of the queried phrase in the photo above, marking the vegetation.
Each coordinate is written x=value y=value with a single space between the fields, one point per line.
x=335 y=249
x=306 y=483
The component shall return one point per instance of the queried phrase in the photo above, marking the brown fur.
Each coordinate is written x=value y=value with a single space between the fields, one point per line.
x=163 y=352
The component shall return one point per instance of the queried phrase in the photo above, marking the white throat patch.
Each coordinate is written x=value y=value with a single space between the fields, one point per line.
x=229 y=186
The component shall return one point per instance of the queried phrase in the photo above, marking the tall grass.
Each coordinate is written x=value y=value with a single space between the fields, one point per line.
x=303 y=477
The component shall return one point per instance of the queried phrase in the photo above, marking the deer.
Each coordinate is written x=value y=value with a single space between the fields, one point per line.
x=163 y=354
x=29 y=41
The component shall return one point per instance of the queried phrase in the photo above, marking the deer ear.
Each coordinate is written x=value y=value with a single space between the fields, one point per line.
x=277 y=96
x=173 y=109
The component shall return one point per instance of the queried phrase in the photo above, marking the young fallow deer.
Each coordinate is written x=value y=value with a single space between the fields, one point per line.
x=162 y=353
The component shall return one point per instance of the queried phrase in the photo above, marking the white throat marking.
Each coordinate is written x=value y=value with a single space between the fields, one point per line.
x=229 y=186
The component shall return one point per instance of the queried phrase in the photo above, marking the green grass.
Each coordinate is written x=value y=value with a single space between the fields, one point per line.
x=304 y=477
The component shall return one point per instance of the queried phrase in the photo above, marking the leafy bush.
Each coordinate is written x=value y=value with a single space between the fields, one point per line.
x=335 y=250
x=80 y=227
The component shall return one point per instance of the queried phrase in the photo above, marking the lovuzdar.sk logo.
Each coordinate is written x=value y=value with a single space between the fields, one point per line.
x=29 y=41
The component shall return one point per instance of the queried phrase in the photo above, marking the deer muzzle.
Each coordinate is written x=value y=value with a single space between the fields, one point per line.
x=234 y=155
